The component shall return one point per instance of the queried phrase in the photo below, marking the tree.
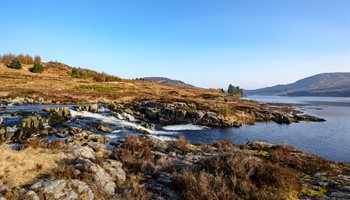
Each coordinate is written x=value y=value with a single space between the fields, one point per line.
x=37 y=68
x=231 y=89
x=37 y=59
x=235 y=90
x=15 y=64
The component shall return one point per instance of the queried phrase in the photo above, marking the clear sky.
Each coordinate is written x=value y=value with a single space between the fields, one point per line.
x=250 y=43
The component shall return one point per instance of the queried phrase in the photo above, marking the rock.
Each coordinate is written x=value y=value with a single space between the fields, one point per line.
x=115 y=170
x=31 y=122
x=84 y=152
x=58 y=116
x=30 y=194
x=310 y=118
x=340 y=195
x=345 y=188
x=280 y=118
x=105 y=129
x=1 y=119
x=90 y=108
x=99 y=175
x=210 y=119
x=96 y=146
x=63 y=189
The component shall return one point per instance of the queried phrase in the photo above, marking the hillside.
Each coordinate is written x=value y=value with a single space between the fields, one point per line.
x=168 y=81
x=326 y=84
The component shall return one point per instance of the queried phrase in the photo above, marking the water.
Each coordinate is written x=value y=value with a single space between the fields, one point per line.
x=330 y=139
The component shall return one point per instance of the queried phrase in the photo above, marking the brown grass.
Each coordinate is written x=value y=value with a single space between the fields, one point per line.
x=24 y=166
x=237 y=177
x=135 y=153
x=181 y=143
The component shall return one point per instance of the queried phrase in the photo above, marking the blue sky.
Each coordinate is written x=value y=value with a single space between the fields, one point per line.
x=251 y=43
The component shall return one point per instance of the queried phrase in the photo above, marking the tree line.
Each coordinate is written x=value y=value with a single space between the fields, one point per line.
x=234 y=90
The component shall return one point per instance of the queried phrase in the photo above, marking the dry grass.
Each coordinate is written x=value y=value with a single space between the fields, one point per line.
x=135 y=154
x=236 y=177
x=24 y=166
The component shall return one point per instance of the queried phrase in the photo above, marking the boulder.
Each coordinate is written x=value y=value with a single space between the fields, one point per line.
x=1 y=119
x=102 y=179
x=63 y=189
x=58 y=116
x=115 y=169
x=90 y=108
x=31 y=122
x=84 y=152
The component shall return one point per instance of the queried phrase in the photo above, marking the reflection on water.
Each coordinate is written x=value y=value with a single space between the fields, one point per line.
x=330 y=139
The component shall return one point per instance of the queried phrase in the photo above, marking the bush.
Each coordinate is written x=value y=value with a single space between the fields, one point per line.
x=15 y=64
x=37 y=68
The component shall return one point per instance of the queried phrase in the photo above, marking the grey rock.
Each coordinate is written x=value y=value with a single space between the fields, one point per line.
x=115 y=169
x=340 y=195
x=100 y=176
x=84 y=152
x=63 y=189
x=30 y=194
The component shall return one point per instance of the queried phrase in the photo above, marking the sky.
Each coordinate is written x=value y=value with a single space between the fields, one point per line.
x=250 y=43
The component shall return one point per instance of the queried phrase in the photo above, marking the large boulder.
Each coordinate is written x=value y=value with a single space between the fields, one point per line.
x=62 y=189
x=100 y=177
x=84 y=152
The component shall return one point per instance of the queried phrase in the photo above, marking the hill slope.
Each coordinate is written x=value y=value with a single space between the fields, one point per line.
x=326 y=84
x=168 y=81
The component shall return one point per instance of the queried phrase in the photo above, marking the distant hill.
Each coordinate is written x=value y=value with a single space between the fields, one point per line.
x=326 y=84
x=168 y=81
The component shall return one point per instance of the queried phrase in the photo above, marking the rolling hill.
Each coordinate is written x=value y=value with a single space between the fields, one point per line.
x=326 y=84
x=168 y=82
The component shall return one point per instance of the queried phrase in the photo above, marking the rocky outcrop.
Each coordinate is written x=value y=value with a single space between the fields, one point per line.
x=60 y=190
x=174 y=113
x=58 y=116
x=90 y=108
x=99 y=175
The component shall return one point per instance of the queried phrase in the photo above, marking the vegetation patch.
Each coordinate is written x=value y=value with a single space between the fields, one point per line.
x=37 y=68
x=99 y=88
x=15 y=64
x=99 y=77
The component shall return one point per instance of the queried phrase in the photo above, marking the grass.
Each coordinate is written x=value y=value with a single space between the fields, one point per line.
x=99 y=88
x=24 y=166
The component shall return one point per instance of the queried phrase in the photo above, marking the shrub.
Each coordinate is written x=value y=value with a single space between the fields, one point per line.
x=37 y=68
x=135 y=153
x=15 y=64
x=181 y=143
x=86 y=73
x=236 y=177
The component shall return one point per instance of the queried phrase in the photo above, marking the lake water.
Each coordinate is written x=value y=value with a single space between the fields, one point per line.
x=330 y=139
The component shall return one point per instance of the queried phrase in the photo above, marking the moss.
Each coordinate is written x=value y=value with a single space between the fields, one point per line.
x=261 y=152
x=311 y=192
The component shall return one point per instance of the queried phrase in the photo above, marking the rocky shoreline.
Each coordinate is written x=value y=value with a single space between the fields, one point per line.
x=91 y=164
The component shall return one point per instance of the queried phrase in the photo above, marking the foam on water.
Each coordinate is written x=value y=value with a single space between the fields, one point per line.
x=183 y=127
x=122 y=124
